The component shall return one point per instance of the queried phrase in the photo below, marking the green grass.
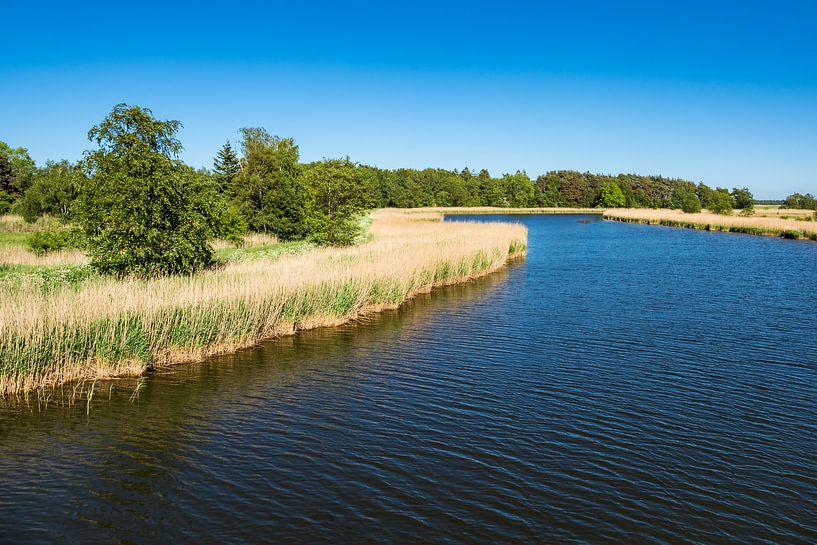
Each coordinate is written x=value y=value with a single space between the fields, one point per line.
x=14 y=277
x=262 y=251
x=13 y=238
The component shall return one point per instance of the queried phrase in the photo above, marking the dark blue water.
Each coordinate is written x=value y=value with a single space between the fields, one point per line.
x=623 y=383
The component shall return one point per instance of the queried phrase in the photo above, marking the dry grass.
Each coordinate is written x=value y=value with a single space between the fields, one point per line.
x=18 y=255
x=755 y=225
x=104 y=327
x=784 y=213
x=252 y=239
x=16 y=224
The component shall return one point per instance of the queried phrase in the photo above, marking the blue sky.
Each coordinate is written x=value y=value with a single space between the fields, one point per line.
x=720 y=92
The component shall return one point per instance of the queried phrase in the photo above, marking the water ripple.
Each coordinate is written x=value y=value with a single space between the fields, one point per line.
x=623 y=384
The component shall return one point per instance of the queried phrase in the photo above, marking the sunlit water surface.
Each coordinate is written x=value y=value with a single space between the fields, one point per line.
x=623 y=383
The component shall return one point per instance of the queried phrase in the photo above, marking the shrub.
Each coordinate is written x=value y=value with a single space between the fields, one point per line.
x=44 y=242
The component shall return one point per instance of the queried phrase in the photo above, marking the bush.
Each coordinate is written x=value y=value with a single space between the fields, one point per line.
x=44 y=242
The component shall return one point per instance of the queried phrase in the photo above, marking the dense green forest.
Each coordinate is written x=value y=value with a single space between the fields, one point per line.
x=137 y=203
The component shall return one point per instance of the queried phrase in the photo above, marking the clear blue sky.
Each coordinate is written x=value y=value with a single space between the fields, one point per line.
x=720 y=92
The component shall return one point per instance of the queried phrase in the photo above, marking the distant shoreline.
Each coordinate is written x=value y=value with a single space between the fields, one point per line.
x=770 y=221
x=759 y=224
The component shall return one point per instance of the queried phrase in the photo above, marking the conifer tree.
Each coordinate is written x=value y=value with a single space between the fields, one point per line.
x=226 y=166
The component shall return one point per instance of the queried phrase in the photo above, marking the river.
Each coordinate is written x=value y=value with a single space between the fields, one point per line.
x=622 y=383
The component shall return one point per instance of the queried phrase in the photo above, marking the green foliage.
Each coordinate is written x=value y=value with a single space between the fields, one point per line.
x=223 y=218
x=517 y=190
x=8 y=182
x=226 y=166
x=143 y=212
x=686 y=199
x=721 y=202
x=743 y=199
x=611 y=196
x=53 y=191
x=338 y=198
x=806 y=202
x=5 y=202
x=43 y=242
x=268 y=191
x=16 y=170
x=706 y=195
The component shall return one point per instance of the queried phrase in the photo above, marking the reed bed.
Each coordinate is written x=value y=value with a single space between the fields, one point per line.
x=20 y=255
x=765 y=226
x=104 y=328
x=785 y=213
x=16 y=224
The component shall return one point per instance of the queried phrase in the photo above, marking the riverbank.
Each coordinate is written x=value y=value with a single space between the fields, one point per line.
x=772 y=224
x=478 y=210
x=103 y=328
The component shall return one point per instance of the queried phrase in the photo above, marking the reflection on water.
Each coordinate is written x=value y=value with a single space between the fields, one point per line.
x=623 y=383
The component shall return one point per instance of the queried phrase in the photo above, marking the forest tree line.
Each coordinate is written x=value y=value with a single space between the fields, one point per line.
x=139 y=208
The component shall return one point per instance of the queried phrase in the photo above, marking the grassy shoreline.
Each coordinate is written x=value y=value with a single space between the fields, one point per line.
x=479 y=210
x=104 y=328
x=760 y=225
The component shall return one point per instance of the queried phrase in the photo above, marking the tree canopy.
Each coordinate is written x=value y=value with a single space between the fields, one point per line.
x=268 y=191
x=142 y=210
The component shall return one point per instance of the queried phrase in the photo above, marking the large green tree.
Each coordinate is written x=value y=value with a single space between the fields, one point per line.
x=142 y=210
x=268 y=191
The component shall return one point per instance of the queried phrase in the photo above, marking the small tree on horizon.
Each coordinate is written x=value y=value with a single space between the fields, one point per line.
x=611 y=196
x=744 y=200
x=721 y=202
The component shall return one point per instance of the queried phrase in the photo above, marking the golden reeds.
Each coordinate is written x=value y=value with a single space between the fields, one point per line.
x=766 y=226
x=105 y=327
